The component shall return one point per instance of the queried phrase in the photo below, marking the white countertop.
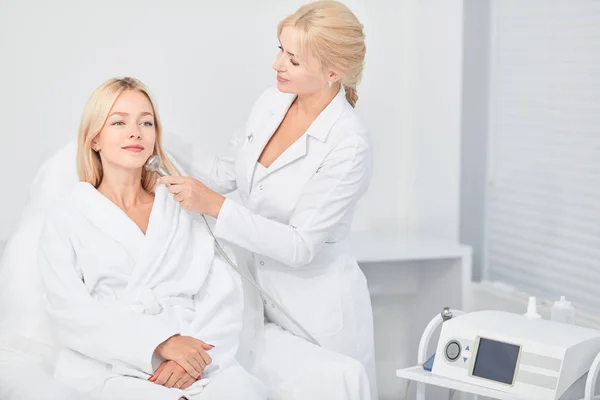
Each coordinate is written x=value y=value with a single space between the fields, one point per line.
x=405 y=246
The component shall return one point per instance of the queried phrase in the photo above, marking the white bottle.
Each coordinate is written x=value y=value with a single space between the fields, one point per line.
x=563 y=311
x=532 y=309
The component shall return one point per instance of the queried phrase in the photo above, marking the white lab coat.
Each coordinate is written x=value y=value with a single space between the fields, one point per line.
x=295 y=218
x=114 y=294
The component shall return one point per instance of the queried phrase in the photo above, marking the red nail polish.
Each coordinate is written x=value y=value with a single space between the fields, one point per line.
x=199 y=377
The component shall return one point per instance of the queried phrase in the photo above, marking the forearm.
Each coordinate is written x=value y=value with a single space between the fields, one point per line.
x=258 y=234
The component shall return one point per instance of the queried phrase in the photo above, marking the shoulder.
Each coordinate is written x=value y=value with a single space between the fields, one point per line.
x=349 y=135
x=349 y=127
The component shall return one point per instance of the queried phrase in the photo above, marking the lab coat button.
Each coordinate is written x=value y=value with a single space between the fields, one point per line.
x=261 y=187
x=262 y=263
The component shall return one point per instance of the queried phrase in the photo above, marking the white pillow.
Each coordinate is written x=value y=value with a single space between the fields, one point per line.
x=23 y=316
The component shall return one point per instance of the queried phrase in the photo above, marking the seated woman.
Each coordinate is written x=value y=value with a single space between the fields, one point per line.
x=141 y=302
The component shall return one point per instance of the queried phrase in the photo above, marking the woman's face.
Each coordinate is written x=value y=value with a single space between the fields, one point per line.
x=294 y=75
x=127 y=138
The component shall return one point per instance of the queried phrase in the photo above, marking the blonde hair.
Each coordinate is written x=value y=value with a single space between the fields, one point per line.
x=95 y=113
x=335 y=36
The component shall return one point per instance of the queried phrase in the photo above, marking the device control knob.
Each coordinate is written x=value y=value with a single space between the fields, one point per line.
x=452 y=350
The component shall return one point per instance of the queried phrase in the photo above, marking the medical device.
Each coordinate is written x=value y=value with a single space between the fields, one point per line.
x=515 y=354
x=504 y=355
x=155 y=165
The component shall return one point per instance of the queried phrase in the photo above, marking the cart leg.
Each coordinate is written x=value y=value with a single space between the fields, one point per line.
x=420 y=391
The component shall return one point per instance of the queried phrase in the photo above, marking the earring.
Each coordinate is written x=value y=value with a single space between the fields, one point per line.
x=330 y=83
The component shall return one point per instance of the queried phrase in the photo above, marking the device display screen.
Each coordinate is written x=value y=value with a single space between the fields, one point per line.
x=496 y=361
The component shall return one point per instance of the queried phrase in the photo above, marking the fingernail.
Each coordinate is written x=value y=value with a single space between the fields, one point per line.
x=210 y=345
x=199 y=376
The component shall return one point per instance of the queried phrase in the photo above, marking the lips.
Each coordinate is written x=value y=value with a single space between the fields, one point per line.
x=134 y=147
x=280 y=79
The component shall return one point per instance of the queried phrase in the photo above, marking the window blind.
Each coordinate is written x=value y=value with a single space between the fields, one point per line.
x=542 y=223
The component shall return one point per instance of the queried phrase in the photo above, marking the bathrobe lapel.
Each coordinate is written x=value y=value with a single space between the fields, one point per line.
x=148 y=250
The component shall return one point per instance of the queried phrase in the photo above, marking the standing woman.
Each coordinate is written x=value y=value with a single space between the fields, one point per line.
x=301 y=165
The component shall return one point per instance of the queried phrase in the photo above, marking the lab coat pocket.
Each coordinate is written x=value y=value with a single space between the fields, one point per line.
x=313 y=296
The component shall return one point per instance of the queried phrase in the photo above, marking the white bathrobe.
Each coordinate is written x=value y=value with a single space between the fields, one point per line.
x=114 y=294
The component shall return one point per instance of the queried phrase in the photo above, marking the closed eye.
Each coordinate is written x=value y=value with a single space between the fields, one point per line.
x=294 y=62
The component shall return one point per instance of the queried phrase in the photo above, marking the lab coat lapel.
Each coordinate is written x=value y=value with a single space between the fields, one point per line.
x=321 y=126
x=294 y=152
x=319 y=130
x=263 y=134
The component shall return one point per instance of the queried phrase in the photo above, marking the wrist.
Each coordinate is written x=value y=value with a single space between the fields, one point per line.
x=160 y=349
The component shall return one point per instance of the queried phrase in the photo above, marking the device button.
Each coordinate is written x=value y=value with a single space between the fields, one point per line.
x=452 y=350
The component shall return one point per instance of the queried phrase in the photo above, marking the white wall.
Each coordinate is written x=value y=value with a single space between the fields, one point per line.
x=434 y=121
x=205 y=62
x=474 y=144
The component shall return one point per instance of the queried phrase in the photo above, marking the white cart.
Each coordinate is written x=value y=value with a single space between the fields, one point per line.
x=469 y=391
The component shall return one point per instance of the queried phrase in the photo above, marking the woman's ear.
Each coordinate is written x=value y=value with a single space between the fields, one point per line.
x=333 y=77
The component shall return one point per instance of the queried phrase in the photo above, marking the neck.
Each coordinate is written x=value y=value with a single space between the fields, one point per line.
x=123 y=187
x=311 y=105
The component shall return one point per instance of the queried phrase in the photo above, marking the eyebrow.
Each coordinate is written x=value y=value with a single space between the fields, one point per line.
x=290 y=53
x=124 y=114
